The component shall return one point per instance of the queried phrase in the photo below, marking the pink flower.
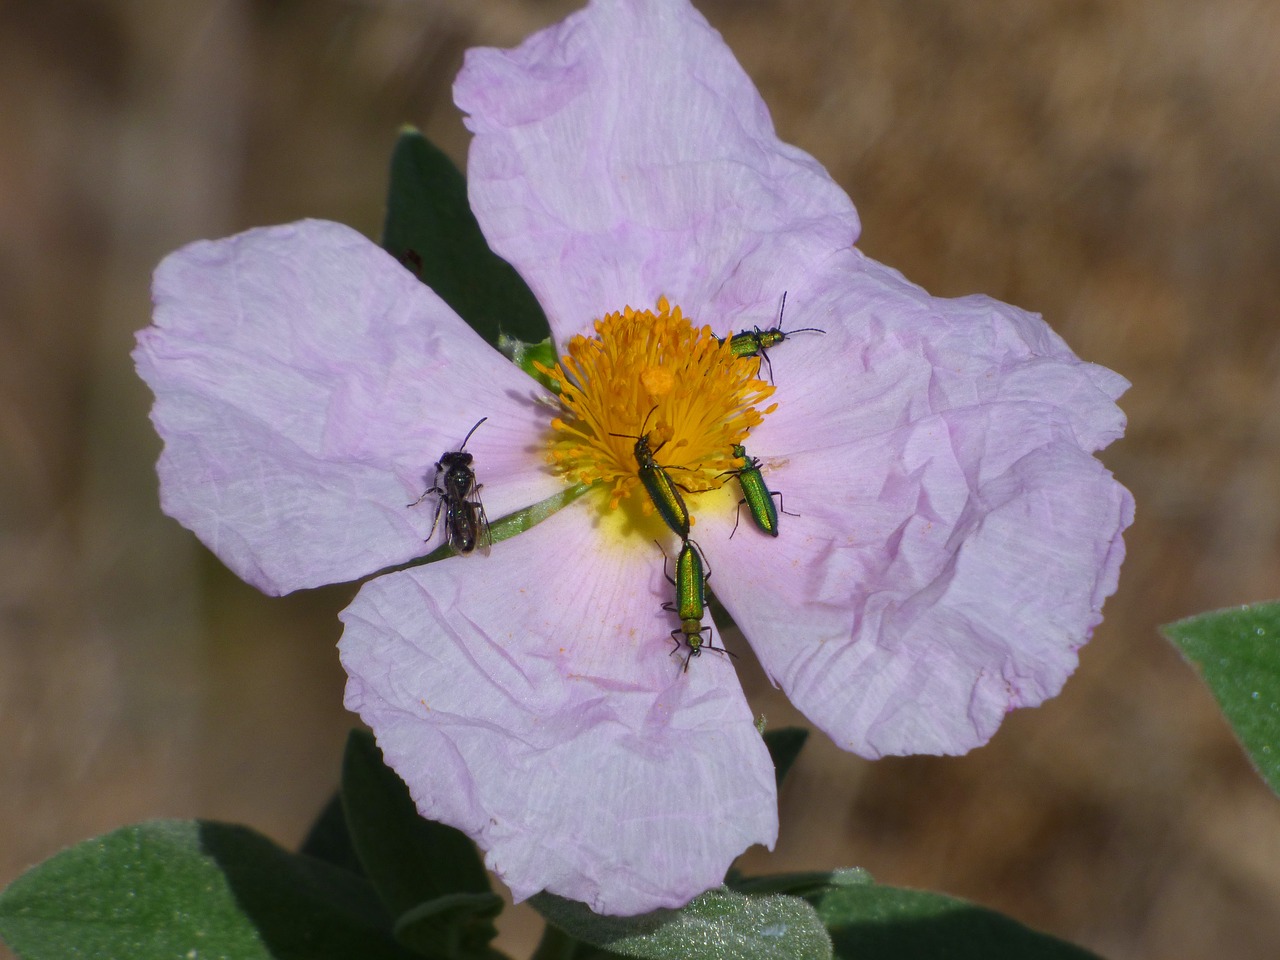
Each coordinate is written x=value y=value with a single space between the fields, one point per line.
x=949 y=539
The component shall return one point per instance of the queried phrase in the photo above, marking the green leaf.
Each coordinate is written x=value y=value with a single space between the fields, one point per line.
x=1238 y=653
x=431 y=230
x=429 y=875
x=177 y=889
x=718 y=925
x=329 y=839
x=523 y=355
x=872 y=922
x=558 y=945
x=809 y=885
x=458 y=926
x=784 y=747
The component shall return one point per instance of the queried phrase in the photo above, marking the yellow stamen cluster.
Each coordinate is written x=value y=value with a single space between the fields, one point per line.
x=653 y=374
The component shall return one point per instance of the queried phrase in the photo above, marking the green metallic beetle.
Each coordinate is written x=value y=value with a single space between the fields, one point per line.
x=754 y=342
x=691 y=602
x=756 y=495
x=662 y=490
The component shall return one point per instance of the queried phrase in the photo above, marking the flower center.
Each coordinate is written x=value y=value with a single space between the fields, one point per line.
x=652 y=375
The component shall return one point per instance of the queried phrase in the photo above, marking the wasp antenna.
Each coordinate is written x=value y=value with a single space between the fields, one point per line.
x=470 y=432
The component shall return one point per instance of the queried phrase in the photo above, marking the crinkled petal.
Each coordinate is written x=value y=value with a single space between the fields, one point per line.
x=892 y=354
x=624 y=154
x=306 y=383
x=910 y=606
x=954 y=541
x=529 y=698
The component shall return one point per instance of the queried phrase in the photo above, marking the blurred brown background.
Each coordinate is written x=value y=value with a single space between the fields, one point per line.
x=1110 y=164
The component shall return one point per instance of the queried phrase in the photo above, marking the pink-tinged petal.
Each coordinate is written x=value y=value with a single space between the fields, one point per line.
x=954 y=543
x=937 y=576
x=892 y=354
x=529 y=698
x=306 y=383
x=624 y=154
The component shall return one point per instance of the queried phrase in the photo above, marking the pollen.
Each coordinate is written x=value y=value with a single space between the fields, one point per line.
x=657 y=376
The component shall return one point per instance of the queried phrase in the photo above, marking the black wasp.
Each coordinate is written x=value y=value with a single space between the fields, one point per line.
x=465 y=523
